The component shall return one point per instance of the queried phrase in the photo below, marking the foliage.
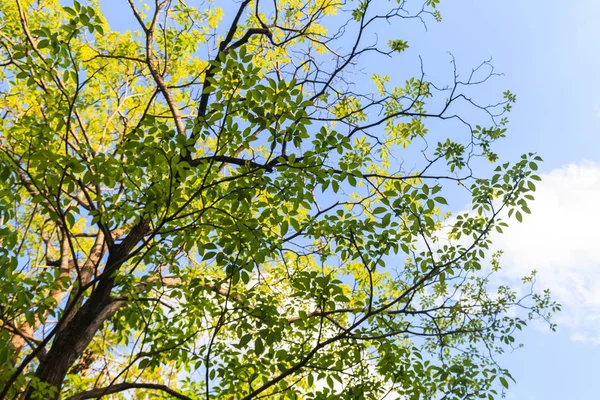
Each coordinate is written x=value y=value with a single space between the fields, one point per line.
x=207 y=208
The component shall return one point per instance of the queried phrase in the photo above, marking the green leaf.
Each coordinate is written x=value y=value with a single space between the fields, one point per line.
x=259 y=347
x=519 y=216
x=440 y=200
x=70 y=11
x=244 y=340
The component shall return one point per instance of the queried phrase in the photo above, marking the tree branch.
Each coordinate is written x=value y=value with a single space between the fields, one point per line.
x=121 y=387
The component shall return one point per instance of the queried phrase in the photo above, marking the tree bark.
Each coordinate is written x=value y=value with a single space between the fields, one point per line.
x=75 y=336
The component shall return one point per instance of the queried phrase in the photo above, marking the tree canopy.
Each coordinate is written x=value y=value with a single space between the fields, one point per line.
x=234 y=200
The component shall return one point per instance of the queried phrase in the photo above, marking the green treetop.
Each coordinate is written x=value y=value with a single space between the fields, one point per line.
x=220 y=204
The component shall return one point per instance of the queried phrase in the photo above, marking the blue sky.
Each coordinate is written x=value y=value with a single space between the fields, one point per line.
x=549 y=54
x=548 y=51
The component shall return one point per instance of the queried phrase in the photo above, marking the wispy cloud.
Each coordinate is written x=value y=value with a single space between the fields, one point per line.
x=561 y=240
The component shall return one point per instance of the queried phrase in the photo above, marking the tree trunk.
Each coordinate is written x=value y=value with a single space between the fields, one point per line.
x=74 y=338
x=80 y=328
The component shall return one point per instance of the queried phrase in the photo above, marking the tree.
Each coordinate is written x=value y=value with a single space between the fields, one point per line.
x=216 y=206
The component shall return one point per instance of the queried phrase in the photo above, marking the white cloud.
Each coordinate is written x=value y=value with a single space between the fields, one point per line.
x=561 y=240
